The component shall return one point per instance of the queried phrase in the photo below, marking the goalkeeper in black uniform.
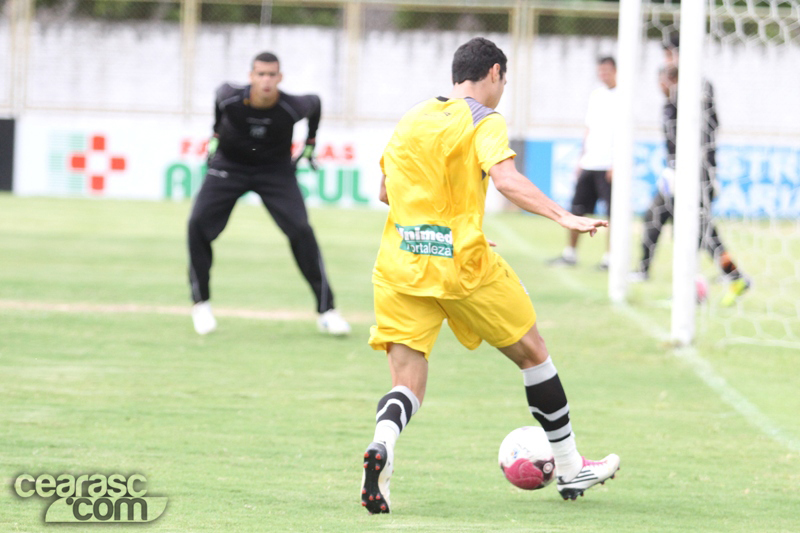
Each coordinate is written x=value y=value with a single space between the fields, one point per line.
x=251 y=151
x=662 y=207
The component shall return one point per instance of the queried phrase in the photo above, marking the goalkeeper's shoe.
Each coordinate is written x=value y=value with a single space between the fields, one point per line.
x=203 y=319
x=375 y=481
x=735 y=290
x=331 y=322
x=638 y=276
x=592 y=473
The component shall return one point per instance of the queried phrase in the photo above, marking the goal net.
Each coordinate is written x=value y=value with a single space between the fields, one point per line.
x=748 y=275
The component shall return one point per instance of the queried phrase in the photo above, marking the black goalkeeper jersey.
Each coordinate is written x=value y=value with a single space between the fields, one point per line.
x=709 y=122
x=254 y=137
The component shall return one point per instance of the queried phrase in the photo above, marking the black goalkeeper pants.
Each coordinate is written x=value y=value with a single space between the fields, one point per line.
x=660 y=212
x=281 y=195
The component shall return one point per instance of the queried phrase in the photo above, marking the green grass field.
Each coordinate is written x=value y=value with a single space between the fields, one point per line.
x=261 y=425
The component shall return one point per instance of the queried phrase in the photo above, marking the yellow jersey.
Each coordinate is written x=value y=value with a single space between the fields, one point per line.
x=436 y=166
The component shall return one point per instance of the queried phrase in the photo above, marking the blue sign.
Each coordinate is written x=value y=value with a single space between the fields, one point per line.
x=758 y=181
x=752 y=180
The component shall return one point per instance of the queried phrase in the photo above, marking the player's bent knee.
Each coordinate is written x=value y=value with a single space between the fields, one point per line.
x=300 y=233
x=200 y=229
x=529 y=351
x=195 y=226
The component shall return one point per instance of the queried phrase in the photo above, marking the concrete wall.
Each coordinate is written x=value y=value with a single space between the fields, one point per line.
x=139 y=67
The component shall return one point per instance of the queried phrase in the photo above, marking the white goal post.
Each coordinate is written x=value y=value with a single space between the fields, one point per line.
x=739 y=190
x=687 y=168
x=687 y=195
x=621 y=211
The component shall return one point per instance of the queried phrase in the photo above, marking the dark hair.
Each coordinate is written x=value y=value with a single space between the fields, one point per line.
x=473 y=60
x=607 y=59
x=671 y=40
x=266 y=57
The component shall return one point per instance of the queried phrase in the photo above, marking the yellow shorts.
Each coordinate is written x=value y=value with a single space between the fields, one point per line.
x=498 y=312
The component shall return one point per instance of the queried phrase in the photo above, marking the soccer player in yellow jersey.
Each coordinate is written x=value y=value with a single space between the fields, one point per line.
x=435 y=263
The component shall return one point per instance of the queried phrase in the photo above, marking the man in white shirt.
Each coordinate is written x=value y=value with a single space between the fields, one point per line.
x=595 y=165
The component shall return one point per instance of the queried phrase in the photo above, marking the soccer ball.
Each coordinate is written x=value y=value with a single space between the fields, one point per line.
x=701 y=287
x=526 y=458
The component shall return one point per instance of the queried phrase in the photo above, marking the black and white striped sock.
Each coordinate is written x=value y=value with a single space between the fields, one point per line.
x=394 y=412
x=548 y=405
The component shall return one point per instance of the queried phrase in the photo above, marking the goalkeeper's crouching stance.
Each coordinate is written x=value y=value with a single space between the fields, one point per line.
x=251 y=151
x=435 y=263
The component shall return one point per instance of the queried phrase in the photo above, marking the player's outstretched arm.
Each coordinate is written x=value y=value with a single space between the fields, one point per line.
x=525 y=195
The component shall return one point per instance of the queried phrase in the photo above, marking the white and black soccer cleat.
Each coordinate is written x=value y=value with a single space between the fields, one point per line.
x=592 y=473
x=375 y=481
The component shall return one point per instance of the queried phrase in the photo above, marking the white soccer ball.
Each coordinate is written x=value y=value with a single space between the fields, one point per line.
x=526 y=458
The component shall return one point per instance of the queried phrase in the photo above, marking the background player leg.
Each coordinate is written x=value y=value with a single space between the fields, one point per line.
x=603 y=187
x=409 y=370
x=547 y=402
x=711 y=241
x=210 y=214
x=284 y=201
x=584 y=201
x=659 y=212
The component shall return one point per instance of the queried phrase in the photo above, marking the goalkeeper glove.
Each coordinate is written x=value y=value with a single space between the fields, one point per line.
x=212 y=145
x=307 y=153
x=666 y=182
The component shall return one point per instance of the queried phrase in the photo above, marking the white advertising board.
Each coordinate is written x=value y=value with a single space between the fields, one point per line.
x=166 y=159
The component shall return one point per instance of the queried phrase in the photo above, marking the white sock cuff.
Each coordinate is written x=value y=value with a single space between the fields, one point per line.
x=568 y=460
x=387 y=432
x=539 y=373
x=389 y=425
x=410 y=395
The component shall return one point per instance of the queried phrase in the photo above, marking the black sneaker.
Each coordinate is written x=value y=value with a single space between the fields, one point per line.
x=375 y=481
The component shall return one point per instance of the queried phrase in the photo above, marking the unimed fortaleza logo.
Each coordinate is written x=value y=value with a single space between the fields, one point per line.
x=92 y=497
x=426 y=239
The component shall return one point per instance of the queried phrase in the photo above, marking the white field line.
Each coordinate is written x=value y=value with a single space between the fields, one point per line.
x=706 y=372
x=792 y=345
x=272 y=315
x=498 y=227
x=702 y=368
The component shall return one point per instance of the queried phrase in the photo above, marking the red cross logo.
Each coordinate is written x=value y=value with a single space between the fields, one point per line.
x=96 y=163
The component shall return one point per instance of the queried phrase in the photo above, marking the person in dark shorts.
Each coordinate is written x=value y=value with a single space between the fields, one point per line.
x=251 y=151
x=595 y=165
